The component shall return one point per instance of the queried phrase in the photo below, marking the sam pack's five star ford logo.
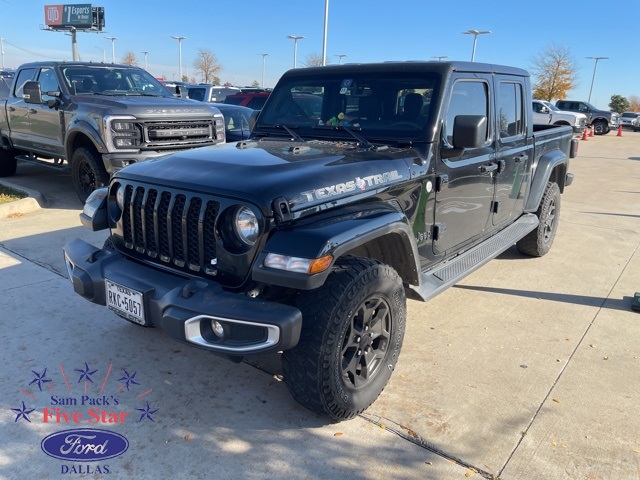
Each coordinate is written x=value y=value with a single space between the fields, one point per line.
x=91 y=401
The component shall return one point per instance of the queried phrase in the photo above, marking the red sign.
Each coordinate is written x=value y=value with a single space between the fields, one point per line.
x=53 y=15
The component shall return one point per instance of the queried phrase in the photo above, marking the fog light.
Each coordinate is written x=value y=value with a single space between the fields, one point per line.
x=217 y=328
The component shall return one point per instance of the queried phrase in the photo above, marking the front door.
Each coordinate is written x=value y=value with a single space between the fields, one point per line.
x=19 y=111
x=465 y=184
x=47 y=123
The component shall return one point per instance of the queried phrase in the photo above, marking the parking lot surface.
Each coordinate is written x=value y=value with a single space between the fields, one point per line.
x=528 y=369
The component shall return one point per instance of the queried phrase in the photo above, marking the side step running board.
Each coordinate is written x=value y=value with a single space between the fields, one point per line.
x=442 y=277
x=55 y=164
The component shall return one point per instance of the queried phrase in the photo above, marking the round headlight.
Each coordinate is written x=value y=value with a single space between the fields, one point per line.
x=120 y=197
x=246 y=226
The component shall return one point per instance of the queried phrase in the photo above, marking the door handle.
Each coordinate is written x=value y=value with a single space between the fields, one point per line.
x=12 y=109
x=492 y=167
x=32 y=110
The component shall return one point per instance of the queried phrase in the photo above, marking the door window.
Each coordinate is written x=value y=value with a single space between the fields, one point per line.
x=467 y=98
x=24 y=76
x=48 y=83
x=510 y=111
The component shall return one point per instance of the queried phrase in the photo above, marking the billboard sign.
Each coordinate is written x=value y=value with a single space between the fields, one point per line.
x=64 y=16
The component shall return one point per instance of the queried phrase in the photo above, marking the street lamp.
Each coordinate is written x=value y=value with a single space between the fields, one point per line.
x=340 y=55
x=264 y=56
x=113 y=48
x=440 y=57
x=475 y=34
x=324 y=38
x=104 y=55
x=595 y=67
x=295 y=39
x=145 y=60
x=2 y=51
x=179 y=52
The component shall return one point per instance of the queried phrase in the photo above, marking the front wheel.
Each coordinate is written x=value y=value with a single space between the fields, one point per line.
x=600 y=128
x=87 y=172
x=353 y=327
x=538 y=242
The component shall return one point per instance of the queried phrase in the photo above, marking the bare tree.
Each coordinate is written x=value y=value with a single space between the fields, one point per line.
x=314 y=60
x=206 y=65
x=130 y=59
x=255 y=83
x=634 y=103
x=555 y=72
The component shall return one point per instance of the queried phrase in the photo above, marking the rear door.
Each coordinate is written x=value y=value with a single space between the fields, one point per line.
x=514 y=148
x=465 y=184
x=18 y=111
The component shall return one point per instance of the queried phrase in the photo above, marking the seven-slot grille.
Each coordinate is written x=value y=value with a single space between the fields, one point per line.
x=179 y=133
x=169 y=228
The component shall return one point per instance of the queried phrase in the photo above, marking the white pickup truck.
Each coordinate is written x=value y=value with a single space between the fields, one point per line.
x=545 y=113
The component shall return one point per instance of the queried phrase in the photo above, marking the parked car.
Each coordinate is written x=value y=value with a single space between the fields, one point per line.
x=308 y=238
x=545 y=113
x=253 y=100
x=630 y=120
x=236 y=121
x=601 y=120
x=206 y=92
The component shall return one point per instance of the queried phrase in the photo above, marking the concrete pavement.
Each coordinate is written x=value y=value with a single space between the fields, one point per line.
x=526 y=370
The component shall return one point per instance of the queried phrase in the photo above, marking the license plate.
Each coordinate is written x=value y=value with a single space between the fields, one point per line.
x=126 y=302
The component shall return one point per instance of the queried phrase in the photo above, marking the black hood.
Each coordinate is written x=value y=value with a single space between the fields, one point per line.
x=305 y=174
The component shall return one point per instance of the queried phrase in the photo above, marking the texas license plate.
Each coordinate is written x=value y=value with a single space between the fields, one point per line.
x=126 y=302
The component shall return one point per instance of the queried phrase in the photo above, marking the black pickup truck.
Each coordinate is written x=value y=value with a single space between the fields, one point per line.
x=97 y=118
x=309 y=237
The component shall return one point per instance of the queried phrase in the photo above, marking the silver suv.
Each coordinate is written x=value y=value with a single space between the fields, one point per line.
x=630 y=120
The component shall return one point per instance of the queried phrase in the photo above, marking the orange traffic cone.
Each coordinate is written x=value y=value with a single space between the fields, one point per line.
x=591 y=134
x=619 y=131
x=584 y=135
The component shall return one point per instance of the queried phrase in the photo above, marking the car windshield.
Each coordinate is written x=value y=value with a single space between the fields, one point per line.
x=106 y=80
x=377 y=105
x=630 y=114
x=551 y=106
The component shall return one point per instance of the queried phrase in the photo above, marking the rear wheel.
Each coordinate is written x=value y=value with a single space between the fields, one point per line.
x=353 y=327
x=8 y=162
x=538 y=242
x=87 y=172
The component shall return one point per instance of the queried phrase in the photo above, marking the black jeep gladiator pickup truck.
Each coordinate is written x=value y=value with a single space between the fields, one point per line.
x=97 y=118
x=309 y=237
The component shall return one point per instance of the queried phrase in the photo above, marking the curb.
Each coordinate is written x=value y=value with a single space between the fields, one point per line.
x=34 y=202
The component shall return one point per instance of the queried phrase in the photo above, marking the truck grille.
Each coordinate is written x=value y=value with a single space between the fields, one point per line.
x=174 y=229
x=180 y=134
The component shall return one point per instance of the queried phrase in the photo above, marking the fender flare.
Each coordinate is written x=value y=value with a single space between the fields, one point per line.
x=86 y=129
x=337 y=235
x=551 y=165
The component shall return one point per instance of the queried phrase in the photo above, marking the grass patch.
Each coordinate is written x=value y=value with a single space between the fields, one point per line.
x=9 y=195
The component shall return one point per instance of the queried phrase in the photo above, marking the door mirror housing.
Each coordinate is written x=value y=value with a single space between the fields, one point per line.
x=469 y=131
x=31 y=93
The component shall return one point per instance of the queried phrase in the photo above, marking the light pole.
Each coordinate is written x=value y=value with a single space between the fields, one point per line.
x=475 y=34
x=595 y=67
x=264 y=56
x=295 y=39
x=324 y=38
x=2 y=50
x=440 y=57
x=179 y=52
x=104 y=54
x=113 y=48
x=340 y=55
x=145 y=60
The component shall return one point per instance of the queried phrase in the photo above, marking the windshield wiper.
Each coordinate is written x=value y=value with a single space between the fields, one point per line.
x=289 y=130
x=361 y=140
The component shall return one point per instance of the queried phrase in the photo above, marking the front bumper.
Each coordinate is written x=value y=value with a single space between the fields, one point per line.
x=118 y=160
x=184 y=308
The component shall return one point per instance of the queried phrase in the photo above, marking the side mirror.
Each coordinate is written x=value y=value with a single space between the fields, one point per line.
x=252 y=119
x=544 y=109
x=469 y=131
x=31 y=93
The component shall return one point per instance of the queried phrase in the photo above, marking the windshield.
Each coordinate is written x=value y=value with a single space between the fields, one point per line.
x=551 y=106
x=107 y=80
x=630 y=114
x=378 y=105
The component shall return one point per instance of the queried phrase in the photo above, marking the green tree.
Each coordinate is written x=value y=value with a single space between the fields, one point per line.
x=185 y=78
x=619 y=103
x=255 y=83
x=207 y=65
x=555 y=71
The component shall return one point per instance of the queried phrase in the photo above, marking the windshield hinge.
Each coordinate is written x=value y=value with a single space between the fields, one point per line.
x=281 y=210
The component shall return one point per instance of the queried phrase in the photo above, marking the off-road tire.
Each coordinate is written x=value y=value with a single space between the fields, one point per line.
x=8 y=162
x=357 y=318
x=87 y=172
x=538 y=242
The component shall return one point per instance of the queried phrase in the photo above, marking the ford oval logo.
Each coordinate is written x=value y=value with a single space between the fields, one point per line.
x=84 y=445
